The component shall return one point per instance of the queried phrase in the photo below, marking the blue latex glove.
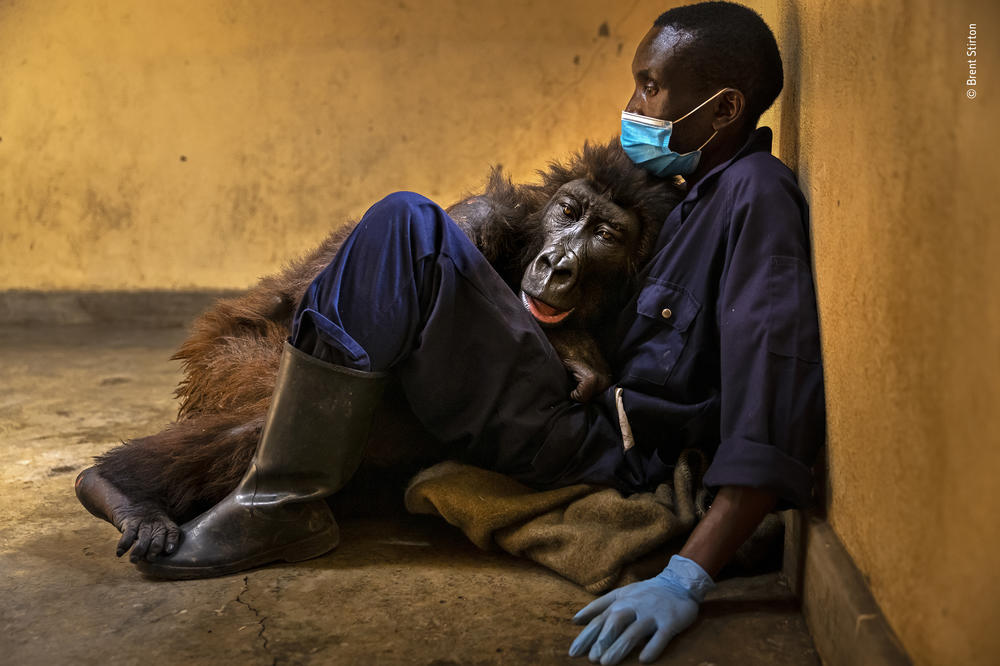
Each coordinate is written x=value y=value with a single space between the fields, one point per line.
x=660 y=607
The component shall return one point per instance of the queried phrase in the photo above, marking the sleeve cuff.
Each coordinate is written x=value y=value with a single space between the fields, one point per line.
x=742 y=462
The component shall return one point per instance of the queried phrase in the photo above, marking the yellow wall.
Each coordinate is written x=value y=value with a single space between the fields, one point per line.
x=900 y=169
x=294 y=116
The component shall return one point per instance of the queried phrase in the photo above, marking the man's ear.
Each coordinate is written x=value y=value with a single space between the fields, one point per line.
x=729 y=108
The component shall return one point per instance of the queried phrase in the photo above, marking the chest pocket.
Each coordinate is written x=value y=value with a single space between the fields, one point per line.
x=666 y=311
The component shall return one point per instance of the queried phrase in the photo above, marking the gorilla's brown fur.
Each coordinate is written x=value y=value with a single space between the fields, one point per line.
x=231 y=356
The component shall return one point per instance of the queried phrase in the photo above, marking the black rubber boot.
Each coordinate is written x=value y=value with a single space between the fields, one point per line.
x=312 y=443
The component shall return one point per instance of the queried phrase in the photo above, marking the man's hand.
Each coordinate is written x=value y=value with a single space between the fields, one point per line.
x=664 y=606
x=660 y=608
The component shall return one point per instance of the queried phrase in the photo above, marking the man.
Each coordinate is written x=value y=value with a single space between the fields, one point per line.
x=719 y=348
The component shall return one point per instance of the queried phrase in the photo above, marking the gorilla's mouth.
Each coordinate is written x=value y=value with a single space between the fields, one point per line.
x=544 y=313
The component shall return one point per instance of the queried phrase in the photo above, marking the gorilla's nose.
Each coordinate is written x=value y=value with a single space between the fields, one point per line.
x=560 y=267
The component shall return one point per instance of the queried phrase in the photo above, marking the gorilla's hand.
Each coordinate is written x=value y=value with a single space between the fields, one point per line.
x=145 y=526
x=147 y=530
x=589 y=381
x=580 y=355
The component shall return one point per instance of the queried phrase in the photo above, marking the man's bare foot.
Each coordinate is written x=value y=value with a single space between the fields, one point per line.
x=145 y=526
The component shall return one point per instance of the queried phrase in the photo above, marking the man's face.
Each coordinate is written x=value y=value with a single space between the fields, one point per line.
x=666 y=89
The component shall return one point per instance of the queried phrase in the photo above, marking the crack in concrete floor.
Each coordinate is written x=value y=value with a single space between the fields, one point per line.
x=261 y=619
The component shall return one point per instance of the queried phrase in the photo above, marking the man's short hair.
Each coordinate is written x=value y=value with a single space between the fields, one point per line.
x=732 y=47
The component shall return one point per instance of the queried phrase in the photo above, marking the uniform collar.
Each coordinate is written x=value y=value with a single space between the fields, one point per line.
x=759 y=140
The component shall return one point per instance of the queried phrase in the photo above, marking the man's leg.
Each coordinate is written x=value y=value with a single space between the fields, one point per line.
x=410 y=293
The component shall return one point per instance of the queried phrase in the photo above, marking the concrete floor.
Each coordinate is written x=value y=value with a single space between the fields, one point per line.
x=399 y=590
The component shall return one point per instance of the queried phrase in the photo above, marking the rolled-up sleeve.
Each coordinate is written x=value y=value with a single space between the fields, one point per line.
x=773 y=413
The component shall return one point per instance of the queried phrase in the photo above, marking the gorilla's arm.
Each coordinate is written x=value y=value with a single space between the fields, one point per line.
x=502 y=230
x=477 y=216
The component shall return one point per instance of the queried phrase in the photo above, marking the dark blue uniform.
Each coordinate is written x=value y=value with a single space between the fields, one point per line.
x=718 y=349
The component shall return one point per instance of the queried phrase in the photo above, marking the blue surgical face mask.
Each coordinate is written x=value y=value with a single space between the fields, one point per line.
x=646 y=141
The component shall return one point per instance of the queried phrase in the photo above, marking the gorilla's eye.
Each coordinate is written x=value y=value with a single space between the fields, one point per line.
x=567 y=210
x=606 y=235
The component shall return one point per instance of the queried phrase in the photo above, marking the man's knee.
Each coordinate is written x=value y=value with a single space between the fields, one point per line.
x=402 y=211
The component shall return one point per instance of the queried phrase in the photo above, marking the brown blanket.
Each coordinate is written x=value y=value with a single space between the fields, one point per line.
x=592 y=535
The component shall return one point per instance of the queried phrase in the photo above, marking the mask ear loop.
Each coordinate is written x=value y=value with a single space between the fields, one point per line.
x=707 y=140
x=702 y=104
x=698 y=107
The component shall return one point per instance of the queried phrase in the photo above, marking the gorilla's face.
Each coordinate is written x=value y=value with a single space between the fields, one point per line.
x=588 y=243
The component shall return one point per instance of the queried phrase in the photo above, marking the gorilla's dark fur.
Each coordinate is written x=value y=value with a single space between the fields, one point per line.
x=231 y=356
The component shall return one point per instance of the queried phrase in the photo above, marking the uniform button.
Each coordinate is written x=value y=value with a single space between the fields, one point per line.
x=666 y=313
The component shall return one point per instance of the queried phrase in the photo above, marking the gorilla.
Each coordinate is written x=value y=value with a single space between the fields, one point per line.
x=568 y=245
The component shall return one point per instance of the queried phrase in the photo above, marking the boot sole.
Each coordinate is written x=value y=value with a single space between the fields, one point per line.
x=306 y=549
